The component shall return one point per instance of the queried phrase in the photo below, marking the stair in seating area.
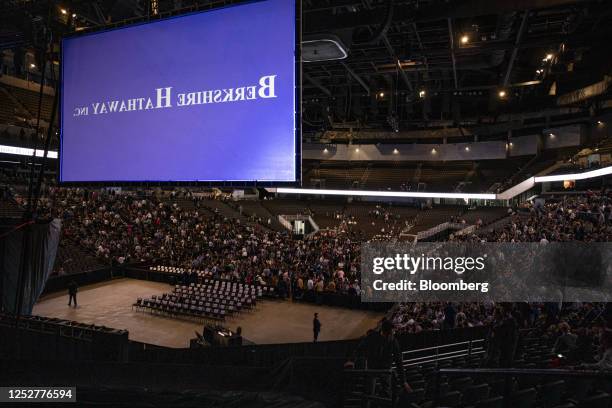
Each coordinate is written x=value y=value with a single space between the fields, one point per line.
x=227 y=211
x=253 y=208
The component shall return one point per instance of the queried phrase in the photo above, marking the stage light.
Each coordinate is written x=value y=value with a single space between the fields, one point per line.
x=465 y=39
x=502 y=94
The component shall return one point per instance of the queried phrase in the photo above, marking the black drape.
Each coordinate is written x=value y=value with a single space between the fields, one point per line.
x=26 y=260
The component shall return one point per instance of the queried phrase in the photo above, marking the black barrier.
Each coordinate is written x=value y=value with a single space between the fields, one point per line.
x=59 y=283
x=39 y=338
x=271 y=354
x=149 y=275
x=341 y=300
x=131 y=375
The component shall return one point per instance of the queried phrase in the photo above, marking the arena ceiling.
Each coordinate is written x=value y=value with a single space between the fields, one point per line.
x=410 y=64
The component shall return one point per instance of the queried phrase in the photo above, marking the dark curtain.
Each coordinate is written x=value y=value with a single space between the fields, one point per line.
x=27 y=256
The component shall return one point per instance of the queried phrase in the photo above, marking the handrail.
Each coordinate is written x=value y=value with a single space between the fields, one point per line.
x=525 y=371
x=441 y=346
x=473 y=347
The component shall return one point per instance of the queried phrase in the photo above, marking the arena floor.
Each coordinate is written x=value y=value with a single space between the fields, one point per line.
x=110 y=304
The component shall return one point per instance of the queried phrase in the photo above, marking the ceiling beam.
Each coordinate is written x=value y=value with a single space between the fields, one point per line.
x=519 y=38
x=451 y=37
x=397 y=62
x=317 y=84
x=440 y=11
x=357 y=77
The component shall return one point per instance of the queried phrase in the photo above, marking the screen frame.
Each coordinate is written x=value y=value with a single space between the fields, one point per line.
x=297 y=115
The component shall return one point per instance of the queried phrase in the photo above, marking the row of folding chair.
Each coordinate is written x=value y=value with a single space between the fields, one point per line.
x=237 y=305
x=171 y=308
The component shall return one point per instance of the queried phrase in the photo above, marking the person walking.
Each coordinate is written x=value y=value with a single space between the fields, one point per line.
x=72 y=292
x=316 y=327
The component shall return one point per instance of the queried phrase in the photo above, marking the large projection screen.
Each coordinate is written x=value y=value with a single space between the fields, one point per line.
x=203 y=97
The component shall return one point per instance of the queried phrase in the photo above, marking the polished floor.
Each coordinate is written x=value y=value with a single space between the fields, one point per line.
x=110 y=304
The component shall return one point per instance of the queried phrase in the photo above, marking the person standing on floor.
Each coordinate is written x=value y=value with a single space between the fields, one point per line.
x=316 y=327
x=72 y=292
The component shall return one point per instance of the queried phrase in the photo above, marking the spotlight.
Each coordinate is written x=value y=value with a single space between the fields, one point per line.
x=73 y=15
x=600 y=123
x=552 y=135
x=357 y=150
x=395 y=151
x=502 y=94
x=465 y=39
x=434 y=151
x=548 y=57
x=32 y=66
x=63 y=11
x=422 y=93
x=382 y=94
x=325 y=150
x=467 y=148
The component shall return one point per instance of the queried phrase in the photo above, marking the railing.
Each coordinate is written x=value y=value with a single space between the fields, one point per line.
x=368 y=378
x=283 y=221
x=439 y=228
x=444 y=352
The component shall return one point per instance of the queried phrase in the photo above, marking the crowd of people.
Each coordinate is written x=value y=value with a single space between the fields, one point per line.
x=127 y=228
x=585 y=218
x=154 y=229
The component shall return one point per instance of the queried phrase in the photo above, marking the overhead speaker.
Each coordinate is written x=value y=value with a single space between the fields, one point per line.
x=323 y=47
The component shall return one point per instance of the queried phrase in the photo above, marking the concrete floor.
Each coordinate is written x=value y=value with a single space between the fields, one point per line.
x=110 y=304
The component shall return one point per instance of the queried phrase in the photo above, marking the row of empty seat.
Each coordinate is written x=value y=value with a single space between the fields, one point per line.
x=212 y=299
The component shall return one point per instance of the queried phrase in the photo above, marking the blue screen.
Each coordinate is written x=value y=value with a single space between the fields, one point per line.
x=201 y=97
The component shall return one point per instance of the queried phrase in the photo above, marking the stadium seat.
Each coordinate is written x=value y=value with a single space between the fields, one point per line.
x=525 y=398
x=475 y=393
x=495 y=402
x=551 y=393
x=451 y=399
x=602 y=400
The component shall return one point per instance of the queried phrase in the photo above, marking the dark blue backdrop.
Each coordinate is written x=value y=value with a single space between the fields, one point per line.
x=225 y=48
